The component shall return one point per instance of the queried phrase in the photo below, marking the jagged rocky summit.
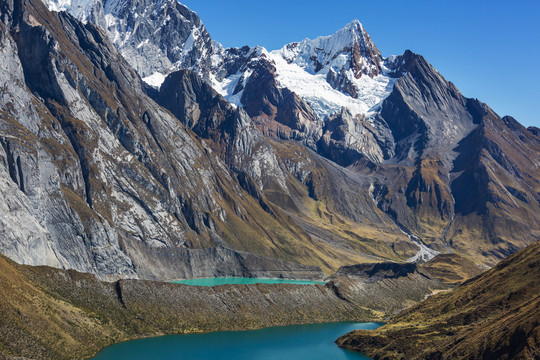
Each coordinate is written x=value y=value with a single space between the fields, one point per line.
x=135 y=146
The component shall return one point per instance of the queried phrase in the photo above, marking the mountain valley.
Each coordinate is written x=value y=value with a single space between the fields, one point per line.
x=136 y=150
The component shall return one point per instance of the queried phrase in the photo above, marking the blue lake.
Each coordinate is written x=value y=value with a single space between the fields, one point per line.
x=314 y=342
x=240 y=280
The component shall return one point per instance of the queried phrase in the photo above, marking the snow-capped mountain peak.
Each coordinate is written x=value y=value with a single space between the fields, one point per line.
x=342 y=70
x=349 y=48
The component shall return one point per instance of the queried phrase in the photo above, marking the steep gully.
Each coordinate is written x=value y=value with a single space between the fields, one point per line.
x=424 y=253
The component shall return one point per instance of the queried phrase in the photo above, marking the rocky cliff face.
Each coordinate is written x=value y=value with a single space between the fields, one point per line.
x=447 y=141
x=101 y=179
x=229 y=131
x=298 y=92
x=155 y=37
x=246 y=161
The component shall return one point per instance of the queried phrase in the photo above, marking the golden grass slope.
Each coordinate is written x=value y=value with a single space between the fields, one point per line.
x=48 y=313
x=34 y=324
x=493 y=316
x=451 y=268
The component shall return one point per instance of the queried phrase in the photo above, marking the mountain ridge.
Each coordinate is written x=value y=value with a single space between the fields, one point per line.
x=313 y=162
x=86 y=122
x=478 y=320
x=177 y=181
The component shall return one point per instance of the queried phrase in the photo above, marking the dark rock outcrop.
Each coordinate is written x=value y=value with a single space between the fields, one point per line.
x=278 y=112
x=370 y=273
x=534 y=130
x=230 y=132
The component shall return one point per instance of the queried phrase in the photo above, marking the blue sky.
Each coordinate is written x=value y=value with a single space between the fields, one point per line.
x=489 y=49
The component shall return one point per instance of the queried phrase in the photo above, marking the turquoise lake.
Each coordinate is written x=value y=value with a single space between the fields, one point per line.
x=239 y=280
x=314 y=342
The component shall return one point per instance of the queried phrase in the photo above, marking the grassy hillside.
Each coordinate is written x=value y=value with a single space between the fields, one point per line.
x=493 y=316
x=34 y=324
x=451 y=268
x=48 y=313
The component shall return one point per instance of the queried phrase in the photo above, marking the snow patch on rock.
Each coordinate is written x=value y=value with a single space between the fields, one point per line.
x=156 y=79
x=78 y=8
x=325 y=100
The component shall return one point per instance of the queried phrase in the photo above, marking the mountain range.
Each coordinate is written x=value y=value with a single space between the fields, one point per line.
x=135 y=146
x=136 y=150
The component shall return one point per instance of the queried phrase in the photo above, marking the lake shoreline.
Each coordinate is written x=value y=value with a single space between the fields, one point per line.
x=88 y=315
x=116 y=351
x=219 y=281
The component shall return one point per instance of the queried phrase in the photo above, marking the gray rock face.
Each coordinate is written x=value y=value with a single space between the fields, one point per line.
x=108 y=181
x=155 y=37
x=96 y=176
x=180 y=42
x=347 y=139
x=215 y=262
x=41 y=225
x=427 y=115
x=231 y=132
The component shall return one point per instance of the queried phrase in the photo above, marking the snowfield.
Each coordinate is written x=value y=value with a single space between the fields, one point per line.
x=324 y=99
x=302 y=67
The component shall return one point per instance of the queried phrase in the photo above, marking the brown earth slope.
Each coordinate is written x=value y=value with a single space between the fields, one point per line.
x=451 y=268
x=47 y=313
x=493 y=316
